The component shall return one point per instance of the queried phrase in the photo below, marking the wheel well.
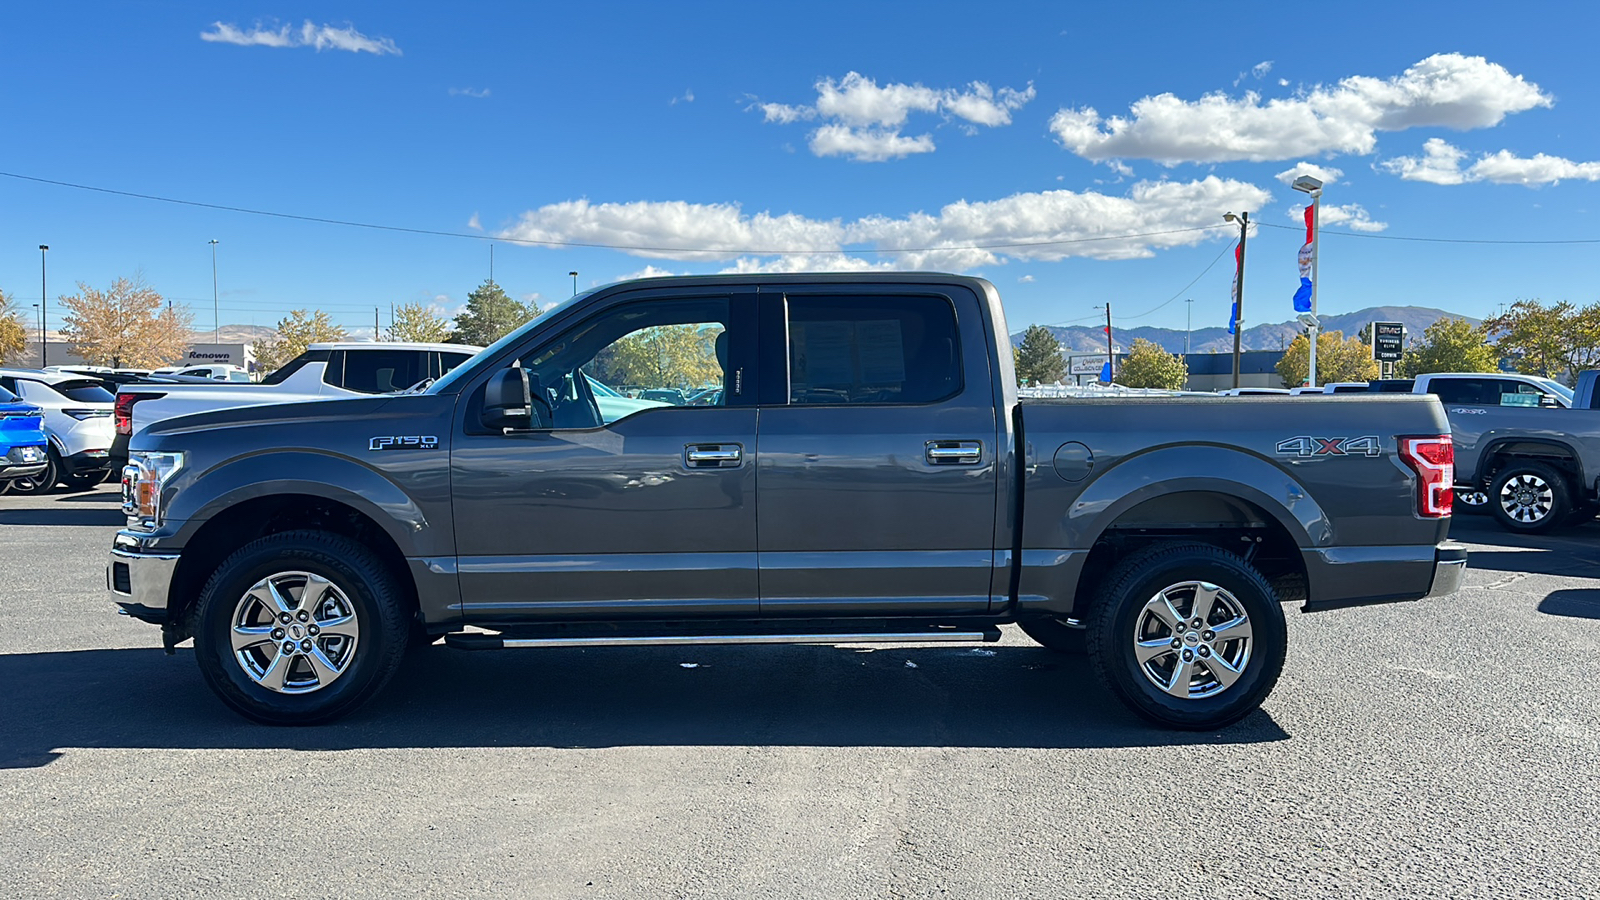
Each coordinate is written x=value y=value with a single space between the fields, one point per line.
x=239 y=525
x=1226 y=522
x=1512 y=452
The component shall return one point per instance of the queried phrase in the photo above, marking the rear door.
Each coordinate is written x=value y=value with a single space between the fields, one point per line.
x=876 y=466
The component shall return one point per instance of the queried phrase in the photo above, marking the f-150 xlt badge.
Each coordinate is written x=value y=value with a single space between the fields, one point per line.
x=404 y=442
x=1303 y=446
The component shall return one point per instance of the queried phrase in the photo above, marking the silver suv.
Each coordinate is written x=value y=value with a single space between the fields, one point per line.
x=77 y=422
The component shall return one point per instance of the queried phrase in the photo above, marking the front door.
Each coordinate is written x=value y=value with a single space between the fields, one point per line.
x=635 y=495
x=877 y=454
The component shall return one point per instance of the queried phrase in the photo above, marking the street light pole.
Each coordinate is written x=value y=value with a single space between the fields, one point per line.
x=216 y=320
x=44 y=310
x=574 y=283
x=1188 y=324
x=1238 y=288
x=40 y=318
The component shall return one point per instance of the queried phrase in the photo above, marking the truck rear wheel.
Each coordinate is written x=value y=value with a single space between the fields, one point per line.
x=1187 y=635
x=1529 y=497
x=300 y=628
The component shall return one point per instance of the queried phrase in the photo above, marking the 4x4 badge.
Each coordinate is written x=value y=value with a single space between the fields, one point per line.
x=404 y=442
x=1305 y=445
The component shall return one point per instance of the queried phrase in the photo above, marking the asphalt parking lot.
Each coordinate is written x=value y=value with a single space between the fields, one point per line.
x=1440 y=748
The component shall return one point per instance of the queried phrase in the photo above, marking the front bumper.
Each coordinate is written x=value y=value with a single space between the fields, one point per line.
x=140 y=582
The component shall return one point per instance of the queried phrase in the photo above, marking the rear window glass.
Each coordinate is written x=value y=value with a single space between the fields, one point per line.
x=872 y=350
x=382 y=371
x=295 y=365
x=84 y=392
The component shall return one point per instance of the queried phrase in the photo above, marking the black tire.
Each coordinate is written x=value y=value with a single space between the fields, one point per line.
x=42 y=483
x=1118 y=619
x=1464 y=504
x=1054 y=634
x=1530 y=498
x=82 y=481
x=364 y=587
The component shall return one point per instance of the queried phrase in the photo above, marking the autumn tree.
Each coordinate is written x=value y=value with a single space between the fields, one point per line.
x=1147 y=365
x=490 y=315
x=13 y=335
x=296 y=331
x=1338 y=359
x=418 y=322
x=1555 y=340
x=1450 y=345
x=1038 y=357
x=128 y=324
x=667 y=356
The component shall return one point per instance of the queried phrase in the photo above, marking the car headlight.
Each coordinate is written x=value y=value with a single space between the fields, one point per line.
x=142 y=481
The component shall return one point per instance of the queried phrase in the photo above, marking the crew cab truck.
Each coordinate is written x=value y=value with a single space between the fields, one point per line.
x=869 y=476
x=1527 y=448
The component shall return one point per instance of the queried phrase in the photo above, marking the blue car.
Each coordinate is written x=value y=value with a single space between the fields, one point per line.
x=22 y=441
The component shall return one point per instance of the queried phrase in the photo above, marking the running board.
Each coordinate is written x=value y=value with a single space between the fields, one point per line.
x=649 y=635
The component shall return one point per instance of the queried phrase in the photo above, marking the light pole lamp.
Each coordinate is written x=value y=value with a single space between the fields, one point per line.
x=574 y=283
x=1238 y=288
x=216 y=321
x=1312 y=186
x=44 y=309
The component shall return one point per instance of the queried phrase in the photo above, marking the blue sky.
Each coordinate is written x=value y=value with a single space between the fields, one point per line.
x=843 y=132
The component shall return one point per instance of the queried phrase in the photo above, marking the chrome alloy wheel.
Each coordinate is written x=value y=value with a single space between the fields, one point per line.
x=1526 y=498
x=294 y=632
x=1192 y=640
x=1473 y=499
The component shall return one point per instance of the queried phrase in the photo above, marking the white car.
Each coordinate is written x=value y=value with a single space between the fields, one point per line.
x=213 y=371
x=77 y=422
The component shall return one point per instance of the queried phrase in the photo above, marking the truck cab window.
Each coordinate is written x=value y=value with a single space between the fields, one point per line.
x=872 y=350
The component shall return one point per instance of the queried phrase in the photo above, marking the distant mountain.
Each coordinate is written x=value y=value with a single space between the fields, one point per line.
x=1092 y=339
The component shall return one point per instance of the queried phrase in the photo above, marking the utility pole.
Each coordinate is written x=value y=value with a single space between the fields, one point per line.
x=44 y=310
x=1238 y=288
x=216 y=320
x=377 y=330
x=1188 y=324
x=1111 y=355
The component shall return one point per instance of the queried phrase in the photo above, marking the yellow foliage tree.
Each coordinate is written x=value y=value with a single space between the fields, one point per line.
x=13 y=335
x=1338 y=359
x=418 y=322
x=298 y=330
x=127 y=325
x=1149 y=366
x=667 y=356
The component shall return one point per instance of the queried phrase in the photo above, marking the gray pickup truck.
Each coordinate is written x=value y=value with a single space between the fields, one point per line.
x=1524 y=453
x=867 y=476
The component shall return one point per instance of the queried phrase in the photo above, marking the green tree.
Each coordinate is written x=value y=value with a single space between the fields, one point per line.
x=490 y=315
x=1450 y=345
x=1038 y=357
x=1555 y=341
x=666 y=356
x=13 y=335
x=1338 y=359
x=298 y=330
x=418 y=322
x=1149 y=366
x=127 y=324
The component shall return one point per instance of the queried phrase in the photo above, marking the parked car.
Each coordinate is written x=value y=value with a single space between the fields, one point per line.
x=669 y=396
x=614 y=405
x=1255 y=392
x=211 y=371
x=903 y=494
x=77 y=424
x=23 y=447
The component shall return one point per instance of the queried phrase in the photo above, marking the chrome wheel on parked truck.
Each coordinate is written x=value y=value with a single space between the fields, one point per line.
x=1529 y=497
x=1187 y=635
x=300 y=627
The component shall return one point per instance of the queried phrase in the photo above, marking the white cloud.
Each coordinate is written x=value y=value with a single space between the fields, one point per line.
x=1446 y=90
x=1026 y=279
x=475 y=93
x=1048 y=225
x=1328 y=175
x=685 y=97
x=320 y=37
x=863 y=120
x=1283 y=82
x=475 y=223
x=1440 y=163
x=1260 y=69
x=649 y=272
x=1353 y=216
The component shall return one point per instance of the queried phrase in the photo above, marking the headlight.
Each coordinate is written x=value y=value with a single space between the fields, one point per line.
x=142 y=480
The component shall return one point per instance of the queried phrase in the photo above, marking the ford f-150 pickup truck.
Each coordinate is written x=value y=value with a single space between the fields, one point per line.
x=867 y=476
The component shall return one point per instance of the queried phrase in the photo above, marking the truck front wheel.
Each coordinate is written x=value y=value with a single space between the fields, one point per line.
x=1187 y=635
x=1529 y=497
x=300 y=628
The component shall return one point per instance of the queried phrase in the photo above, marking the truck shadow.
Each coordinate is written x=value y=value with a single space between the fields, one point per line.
x=65 y=515
x=1570 y=552
x=1002 y=696
x=1579 y=603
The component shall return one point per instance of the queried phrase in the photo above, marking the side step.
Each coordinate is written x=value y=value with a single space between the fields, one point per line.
x=781 y=631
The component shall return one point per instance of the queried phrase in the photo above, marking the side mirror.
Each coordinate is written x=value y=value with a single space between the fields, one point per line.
x=512 y=399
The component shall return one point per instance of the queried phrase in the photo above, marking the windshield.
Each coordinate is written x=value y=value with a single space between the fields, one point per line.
x=459 y=372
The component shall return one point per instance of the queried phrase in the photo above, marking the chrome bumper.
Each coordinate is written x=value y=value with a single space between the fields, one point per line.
x=1449 y=569
x=139 y=583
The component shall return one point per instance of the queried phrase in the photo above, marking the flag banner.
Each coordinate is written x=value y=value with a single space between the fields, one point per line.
x=1302 y=295
x=1105 y=373
x=1233 y=318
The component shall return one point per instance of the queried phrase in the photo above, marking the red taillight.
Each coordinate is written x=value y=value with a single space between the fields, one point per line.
x=124 y=410
x=1433 y=458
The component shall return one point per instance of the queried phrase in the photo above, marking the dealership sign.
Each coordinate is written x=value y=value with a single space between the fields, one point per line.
x=1388 y=340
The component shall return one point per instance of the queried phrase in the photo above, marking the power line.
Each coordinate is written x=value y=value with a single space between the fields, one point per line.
x=1427 y=240
x=1187 y=286
x=596 y=246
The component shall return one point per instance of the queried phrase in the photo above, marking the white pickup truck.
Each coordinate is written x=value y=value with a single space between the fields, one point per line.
x=332 y=370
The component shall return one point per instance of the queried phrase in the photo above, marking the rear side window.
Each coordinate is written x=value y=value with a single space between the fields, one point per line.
x=84 y=391
x=296 y=364
x=1478 y=391
x=382 y=371
x=448 y=361
x=872 y=350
